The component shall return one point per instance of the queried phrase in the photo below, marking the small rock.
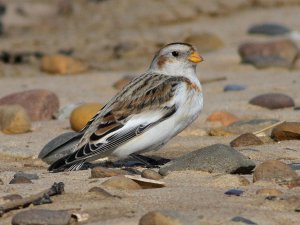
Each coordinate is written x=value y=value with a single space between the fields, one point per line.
x=273 y=170
x=286 y=131
x=30 y=176
x=295 y=166
x=234 y=87
x=205 y=42
x=11 y=197
x=242 y=220
x=246 y=139
x=123 y=82
x=101 y=192
x=279 y=53
x=220 y=132
x=122 y=183
x=215 y=158
x=235 y=192
x=82 y=114
x=290 y=182
x=101 y=172
x=151 y=174
x=269 y=192
x=61 y=64
x=273 y=101
x=59 y=147
x=249 y=126
x=14 y=120
x=42 y=216
x=65 y=112
x=20 y=180
x=271 y=29
x=225 y=118
x=39 y=104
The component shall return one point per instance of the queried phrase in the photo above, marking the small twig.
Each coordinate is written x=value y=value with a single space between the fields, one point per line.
x=211 y=80
x=267 y=128
x=56 y=189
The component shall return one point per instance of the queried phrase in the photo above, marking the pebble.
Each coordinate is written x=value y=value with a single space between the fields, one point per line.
x=120 y=182
x=225 y=118
x=205 y=42
x=220 y=131
x=215 y=158
x=286 y=131
x=234 y=87
x=151 y=174
x=290 y=182
x=273 y=101
x=101 y=172
x=39 y=104
x=246 y=139
x=20 y=180
x=271 y=29
x=59 y=147
x=235 y=192
x=42 y=216
x=279 y=53
x=14 y=120
x=242 y=220
x=273 y=170
x=269 y=192
x=295 y=166
x=249 y=126
x=82 y=114
x=101 y=192
x=65 y=112
x=123 y=82
x=62 y=65
x=30 y=176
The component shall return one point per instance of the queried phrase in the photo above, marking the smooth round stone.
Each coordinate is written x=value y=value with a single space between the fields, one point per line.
x=63 y=65
x=286 y=131
x=122 y=183
x=225 y=118
x=271 y=29
x=273 y=101
x=234 y=87
x=81 y=115
x=42 y=216
x=151 y=174
x=20 y=180
x=14 y=119
x=30 y=176
x=243 y=220
x=273 y=170
x=246 y=139
x=235 y=192
x=40 y=104
x=101 y=192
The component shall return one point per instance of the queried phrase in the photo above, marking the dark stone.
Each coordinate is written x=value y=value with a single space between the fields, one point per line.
x=234 y=87
x=235 y=192
x=30 y=176
x=42 y=216
x=243 y=220
x=59 y=147
x=286 y=131
x=20 y=180
x=271 y=29
x=39 y=104
x=295 y=166
x=273 y=101
x=215 y=158
x=246 y=139
x=279 y=53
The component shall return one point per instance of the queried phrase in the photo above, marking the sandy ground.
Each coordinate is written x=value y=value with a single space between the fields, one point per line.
x=189 y=192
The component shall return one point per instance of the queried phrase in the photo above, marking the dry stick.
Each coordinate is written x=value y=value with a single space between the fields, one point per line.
x=267 y=128
x=56 y=189
x=210 y=80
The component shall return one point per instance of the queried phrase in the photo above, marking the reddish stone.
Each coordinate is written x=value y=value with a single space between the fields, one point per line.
x=286 y=131
x=226 y=118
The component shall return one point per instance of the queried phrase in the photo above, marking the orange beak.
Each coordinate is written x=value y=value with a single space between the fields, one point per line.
x=195 y=57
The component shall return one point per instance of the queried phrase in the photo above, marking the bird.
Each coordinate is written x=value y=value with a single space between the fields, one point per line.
x=149 y=111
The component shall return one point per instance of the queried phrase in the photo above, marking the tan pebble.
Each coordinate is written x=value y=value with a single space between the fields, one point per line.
x=61 y=64
x=101 y=172
x=158 y=218
x=20 y=180
x=151 y=174
x=220 y=132
x=82 y=114
x=269 y=192
x=273 y=170
x=14 y=119
x=101 y=192
x=122 y=183
x=286 y=131
x=225 y=118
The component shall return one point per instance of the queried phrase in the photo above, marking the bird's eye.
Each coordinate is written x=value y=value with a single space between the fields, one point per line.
x=175 y=53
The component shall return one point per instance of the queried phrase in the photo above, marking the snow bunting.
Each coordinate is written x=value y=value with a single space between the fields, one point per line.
x=146 y=113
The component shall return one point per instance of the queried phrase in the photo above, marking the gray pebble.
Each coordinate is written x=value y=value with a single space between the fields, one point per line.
x=271 y=29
